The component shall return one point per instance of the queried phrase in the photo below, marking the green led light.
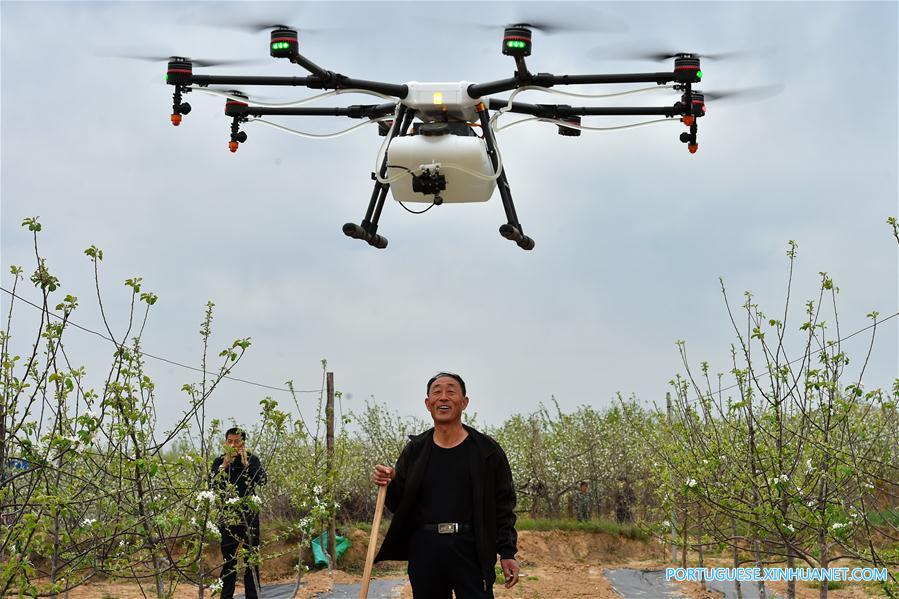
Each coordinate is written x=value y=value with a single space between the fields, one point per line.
x=166 y=77
x=699 y=74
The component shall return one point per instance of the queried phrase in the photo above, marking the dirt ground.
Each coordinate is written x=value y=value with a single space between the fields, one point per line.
x=554 y=564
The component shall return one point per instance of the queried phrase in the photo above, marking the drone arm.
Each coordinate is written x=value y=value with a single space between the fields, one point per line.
x=556 y=111
x=333 y=81
x=337 y=81
x=204 y=80
x=660 y=78
x=478 y=90
x=356 y=111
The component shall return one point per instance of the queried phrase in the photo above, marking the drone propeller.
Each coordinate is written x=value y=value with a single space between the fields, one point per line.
x=551 y=22
x=760 y=92
x=195 y=61
x=260 y=26
x=631 y=53
x=662 y=56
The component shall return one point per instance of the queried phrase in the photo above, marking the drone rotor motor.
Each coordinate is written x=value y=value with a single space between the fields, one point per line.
x=517 y=41
x=687 y=68
x=284 y=42
x=570 y=131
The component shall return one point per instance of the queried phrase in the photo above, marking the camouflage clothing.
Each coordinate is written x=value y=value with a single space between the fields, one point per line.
x=582 y=506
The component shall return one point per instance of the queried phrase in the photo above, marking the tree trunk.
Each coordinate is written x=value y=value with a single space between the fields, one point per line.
x=737 y=587
x=758 y=564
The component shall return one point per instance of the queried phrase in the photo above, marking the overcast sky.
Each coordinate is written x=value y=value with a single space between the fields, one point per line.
x=632 y=232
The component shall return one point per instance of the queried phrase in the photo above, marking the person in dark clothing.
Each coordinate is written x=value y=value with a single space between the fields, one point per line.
x=453 y=503
x=235 y=475
x=582 y=502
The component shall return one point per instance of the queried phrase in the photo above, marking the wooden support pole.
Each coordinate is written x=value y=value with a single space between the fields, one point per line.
x=332 y=476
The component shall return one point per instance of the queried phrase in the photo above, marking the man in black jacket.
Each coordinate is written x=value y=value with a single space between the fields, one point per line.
x=453 y=503
x=235 y=475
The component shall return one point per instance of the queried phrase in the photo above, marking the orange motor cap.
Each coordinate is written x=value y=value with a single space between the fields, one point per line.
x=176 y=119
x=692 y=148
x=233 y=145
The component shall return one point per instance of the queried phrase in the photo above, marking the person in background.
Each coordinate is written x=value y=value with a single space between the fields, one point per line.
x=582 y=502
x=235 y=475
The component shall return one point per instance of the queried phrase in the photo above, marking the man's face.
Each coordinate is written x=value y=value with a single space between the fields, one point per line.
x=234 y=441
x=445 y=400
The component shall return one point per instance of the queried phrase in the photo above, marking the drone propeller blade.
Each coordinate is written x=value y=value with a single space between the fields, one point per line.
x=551 y=22
x=631 y=53
x=250 y=97
x=259 y=25
x=749 y=93
x=200 y=62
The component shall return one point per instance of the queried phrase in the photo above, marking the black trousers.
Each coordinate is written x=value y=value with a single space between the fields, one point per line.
x=440 y=564
x=231 y=539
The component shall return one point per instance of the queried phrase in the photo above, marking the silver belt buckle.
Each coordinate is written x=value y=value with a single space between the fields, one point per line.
x=448 y=528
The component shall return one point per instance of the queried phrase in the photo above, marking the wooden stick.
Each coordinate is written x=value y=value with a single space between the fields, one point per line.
x=373 y=541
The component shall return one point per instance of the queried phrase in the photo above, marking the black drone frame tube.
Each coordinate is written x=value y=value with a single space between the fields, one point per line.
x=248 y=80
x=478 y=90
x=355 y=111
x=395 y=131
x=407 y=119
x=309 y=65
x=660 y=78
x=388 y=89
x=554 y=111
x=328 y=82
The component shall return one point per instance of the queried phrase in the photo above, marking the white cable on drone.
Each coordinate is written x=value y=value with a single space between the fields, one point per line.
x=230 y=96
x=382 y=152
x=584 y=127
x=316 y=135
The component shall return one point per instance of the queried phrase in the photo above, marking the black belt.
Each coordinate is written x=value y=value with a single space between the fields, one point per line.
x=447 y=528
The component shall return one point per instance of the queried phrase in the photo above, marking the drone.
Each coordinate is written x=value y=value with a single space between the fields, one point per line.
x=432 y=151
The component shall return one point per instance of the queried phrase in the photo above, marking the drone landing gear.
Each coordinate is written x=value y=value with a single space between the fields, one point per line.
x=512 y=230
x=368 y=229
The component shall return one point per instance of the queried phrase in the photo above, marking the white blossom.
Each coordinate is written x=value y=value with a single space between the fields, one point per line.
x=205 y=496
x=256 y=499
x=216 y=586
x=691 y=483
x=790 y=527
x=808 y=465
x=232 y=500
x=88 y=522
x=837 y=525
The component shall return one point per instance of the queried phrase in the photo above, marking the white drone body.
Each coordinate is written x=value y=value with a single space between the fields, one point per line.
x=461 y=159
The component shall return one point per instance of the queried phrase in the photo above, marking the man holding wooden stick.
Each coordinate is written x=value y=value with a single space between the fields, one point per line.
x=453 y=503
